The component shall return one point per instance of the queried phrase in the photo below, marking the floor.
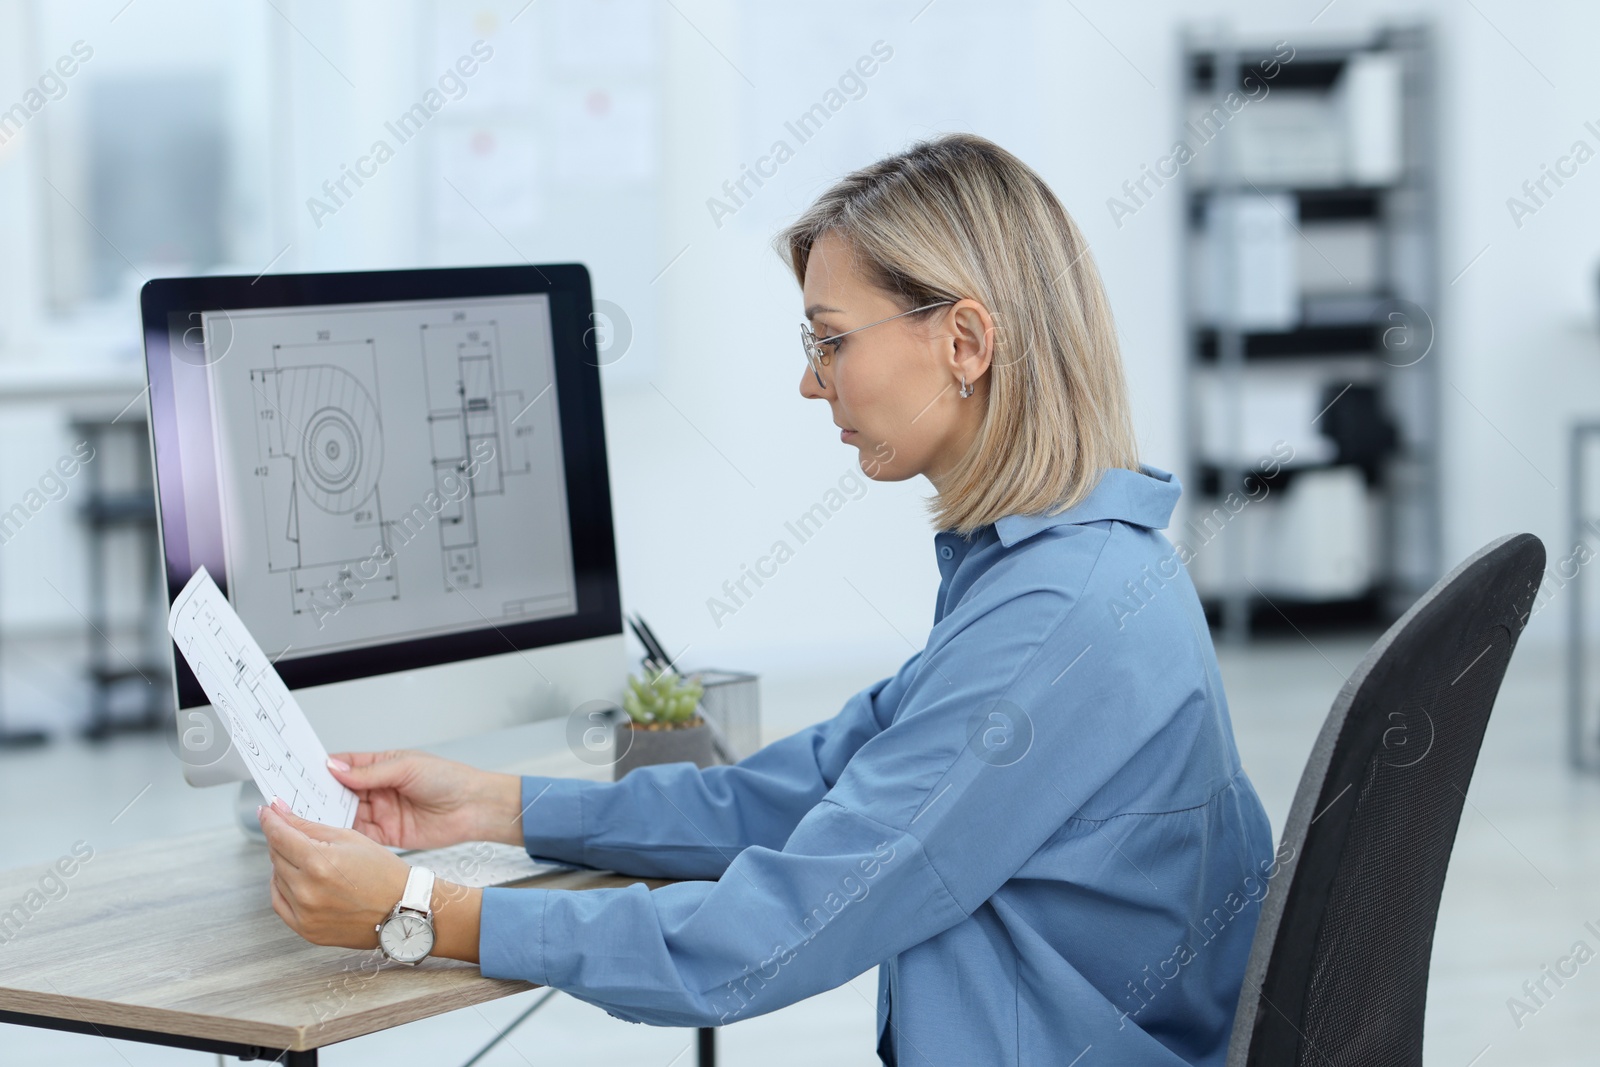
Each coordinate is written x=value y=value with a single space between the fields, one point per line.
x=1520 y=890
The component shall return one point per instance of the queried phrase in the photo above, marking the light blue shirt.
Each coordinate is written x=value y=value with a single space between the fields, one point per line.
x=1039 y=826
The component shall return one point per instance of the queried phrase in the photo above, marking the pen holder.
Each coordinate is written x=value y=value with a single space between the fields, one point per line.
x=732 y=699
x=730 y=704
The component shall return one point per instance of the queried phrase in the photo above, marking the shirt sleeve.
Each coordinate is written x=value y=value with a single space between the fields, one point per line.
x=1008 y=726
x=678 y=821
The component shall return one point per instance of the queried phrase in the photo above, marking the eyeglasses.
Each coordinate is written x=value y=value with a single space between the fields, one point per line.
x=818 y=359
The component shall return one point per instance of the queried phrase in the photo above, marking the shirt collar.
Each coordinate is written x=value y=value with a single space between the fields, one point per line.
x=1144 y=497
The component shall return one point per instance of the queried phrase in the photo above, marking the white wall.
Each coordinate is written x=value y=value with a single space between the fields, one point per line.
x=712 y=447
x=1516 y=333
x=1520 y=324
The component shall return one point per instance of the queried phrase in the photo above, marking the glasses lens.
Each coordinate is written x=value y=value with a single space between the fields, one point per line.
x=813 y=353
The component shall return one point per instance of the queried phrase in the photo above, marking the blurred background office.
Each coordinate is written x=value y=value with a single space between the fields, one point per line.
x=1351 y=247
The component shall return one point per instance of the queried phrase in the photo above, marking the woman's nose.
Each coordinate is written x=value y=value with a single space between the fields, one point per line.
x=809 y=388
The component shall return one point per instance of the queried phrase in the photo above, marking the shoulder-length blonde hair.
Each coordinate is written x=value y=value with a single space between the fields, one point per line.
x=959 y=216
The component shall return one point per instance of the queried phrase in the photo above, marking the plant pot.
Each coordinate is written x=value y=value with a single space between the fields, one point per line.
x=642 y=746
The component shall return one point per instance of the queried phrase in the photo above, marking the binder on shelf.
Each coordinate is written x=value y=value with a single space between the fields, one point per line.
x=1320 y=541
x=1369 y=93
x=1291 y=137
x=1247 y=258
x=1312 y=541
x=1339 y=257
x=1272 y=408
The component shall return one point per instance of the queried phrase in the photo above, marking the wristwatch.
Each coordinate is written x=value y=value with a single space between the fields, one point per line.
x=406 y=936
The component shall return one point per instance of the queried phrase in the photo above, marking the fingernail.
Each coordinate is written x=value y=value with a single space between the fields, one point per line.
x=338 y=764
x=278 y=803
x=259 y=809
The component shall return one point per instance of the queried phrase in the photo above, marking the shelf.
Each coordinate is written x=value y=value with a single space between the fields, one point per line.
x=1338 y=332
x=1312 y=67
x=1267 y=614
x=1305 y=71
x=1322 y=203
x=1356 y=339
x=145 y=672
x=1342 y=203
x=137 y=507
x=1208 y=477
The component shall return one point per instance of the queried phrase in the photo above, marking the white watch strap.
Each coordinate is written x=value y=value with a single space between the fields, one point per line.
x=419 y=891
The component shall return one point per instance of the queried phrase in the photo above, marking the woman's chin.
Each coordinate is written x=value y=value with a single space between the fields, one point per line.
x=880 y=471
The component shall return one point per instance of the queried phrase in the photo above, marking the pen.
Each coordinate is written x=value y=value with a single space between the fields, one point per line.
x=657 y=652
x=649 y=654
x=660 y=650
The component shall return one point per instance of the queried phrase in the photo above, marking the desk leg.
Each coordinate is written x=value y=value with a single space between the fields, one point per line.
x=708 y=1046
x=300 y=1059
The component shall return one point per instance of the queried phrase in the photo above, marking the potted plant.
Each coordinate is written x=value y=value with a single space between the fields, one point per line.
x=664 y=725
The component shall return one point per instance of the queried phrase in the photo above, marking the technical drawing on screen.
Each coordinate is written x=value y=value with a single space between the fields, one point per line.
x=389 y=470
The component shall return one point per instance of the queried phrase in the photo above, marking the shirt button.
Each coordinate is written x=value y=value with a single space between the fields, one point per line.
x=946 y=552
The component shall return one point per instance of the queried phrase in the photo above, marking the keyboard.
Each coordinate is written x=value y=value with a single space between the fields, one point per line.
x=480 y=864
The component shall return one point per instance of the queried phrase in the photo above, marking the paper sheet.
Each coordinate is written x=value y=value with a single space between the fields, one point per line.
x=605 y=137
x=278 y=744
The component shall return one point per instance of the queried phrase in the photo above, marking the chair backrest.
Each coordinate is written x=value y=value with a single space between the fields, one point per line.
x=1338 y=971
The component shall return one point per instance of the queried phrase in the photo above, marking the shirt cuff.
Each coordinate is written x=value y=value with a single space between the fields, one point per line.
x=552 y=818
x=511 y=934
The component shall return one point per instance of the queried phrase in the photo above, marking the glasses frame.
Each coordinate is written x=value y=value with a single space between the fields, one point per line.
x=813 y=344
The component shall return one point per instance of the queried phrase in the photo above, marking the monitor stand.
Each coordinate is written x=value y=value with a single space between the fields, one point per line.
x=244 y=807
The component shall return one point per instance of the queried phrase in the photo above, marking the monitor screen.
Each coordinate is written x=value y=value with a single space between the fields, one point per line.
x=384 y=470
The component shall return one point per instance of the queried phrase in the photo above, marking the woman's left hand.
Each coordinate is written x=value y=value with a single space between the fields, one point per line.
x=330 y=886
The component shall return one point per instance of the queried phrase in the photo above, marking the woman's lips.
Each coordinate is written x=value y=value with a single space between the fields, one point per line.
x=845 y=435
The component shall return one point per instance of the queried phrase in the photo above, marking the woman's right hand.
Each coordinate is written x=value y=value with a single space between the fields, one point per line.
x=412 y=799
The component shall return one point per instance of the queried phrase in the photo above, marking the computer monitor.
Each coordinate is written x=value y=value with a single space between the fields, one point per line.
x=398 y=478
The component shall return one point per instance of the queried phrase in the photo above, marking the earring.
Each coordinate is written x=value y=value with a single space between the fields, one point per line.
x=966 y=390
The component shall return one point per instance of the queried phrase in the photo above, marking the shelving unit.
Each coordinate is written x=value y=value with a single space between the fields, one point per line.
x=1310 y=279
x=123 y=509
x=1583 y=703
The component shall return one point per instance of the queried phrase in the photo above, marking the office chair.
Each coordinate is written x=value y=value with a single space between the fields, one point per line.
x=1338 y=971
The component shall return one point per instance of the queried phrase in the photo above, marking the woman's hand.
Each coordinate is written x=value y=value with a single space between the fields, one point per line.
x=335 y=887
x=330 y=886
x=414 y=800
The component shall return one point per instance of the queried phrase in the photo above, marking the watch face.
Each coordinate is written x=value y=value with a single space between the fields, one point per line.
x=406 y=938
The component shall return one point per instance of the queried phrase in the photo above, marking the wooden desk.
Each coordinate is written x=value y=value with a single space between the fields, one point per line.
x=174 y=942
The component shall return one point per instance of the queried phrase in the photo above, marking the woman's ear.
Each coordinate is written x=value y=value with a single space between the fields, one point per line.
x=973 y=334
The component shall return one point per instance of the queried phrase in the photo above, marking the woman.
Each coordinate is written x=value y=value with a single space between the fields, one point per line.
x=1039 y=825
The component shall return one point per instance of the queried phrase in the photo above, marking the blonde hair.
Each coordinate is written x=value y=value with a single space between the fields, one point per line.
x=959 y=216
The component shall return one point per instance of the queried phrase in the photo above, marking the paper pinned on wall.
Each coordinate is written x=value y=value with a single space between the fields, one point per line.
x=491 y=187
x=605 y=137
x=610 y=35
x=278 y=744
x=507 y=68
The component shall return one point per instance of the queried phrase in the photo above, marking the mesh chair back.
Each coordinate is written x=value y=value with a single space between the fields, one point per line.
x=1338 y=971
